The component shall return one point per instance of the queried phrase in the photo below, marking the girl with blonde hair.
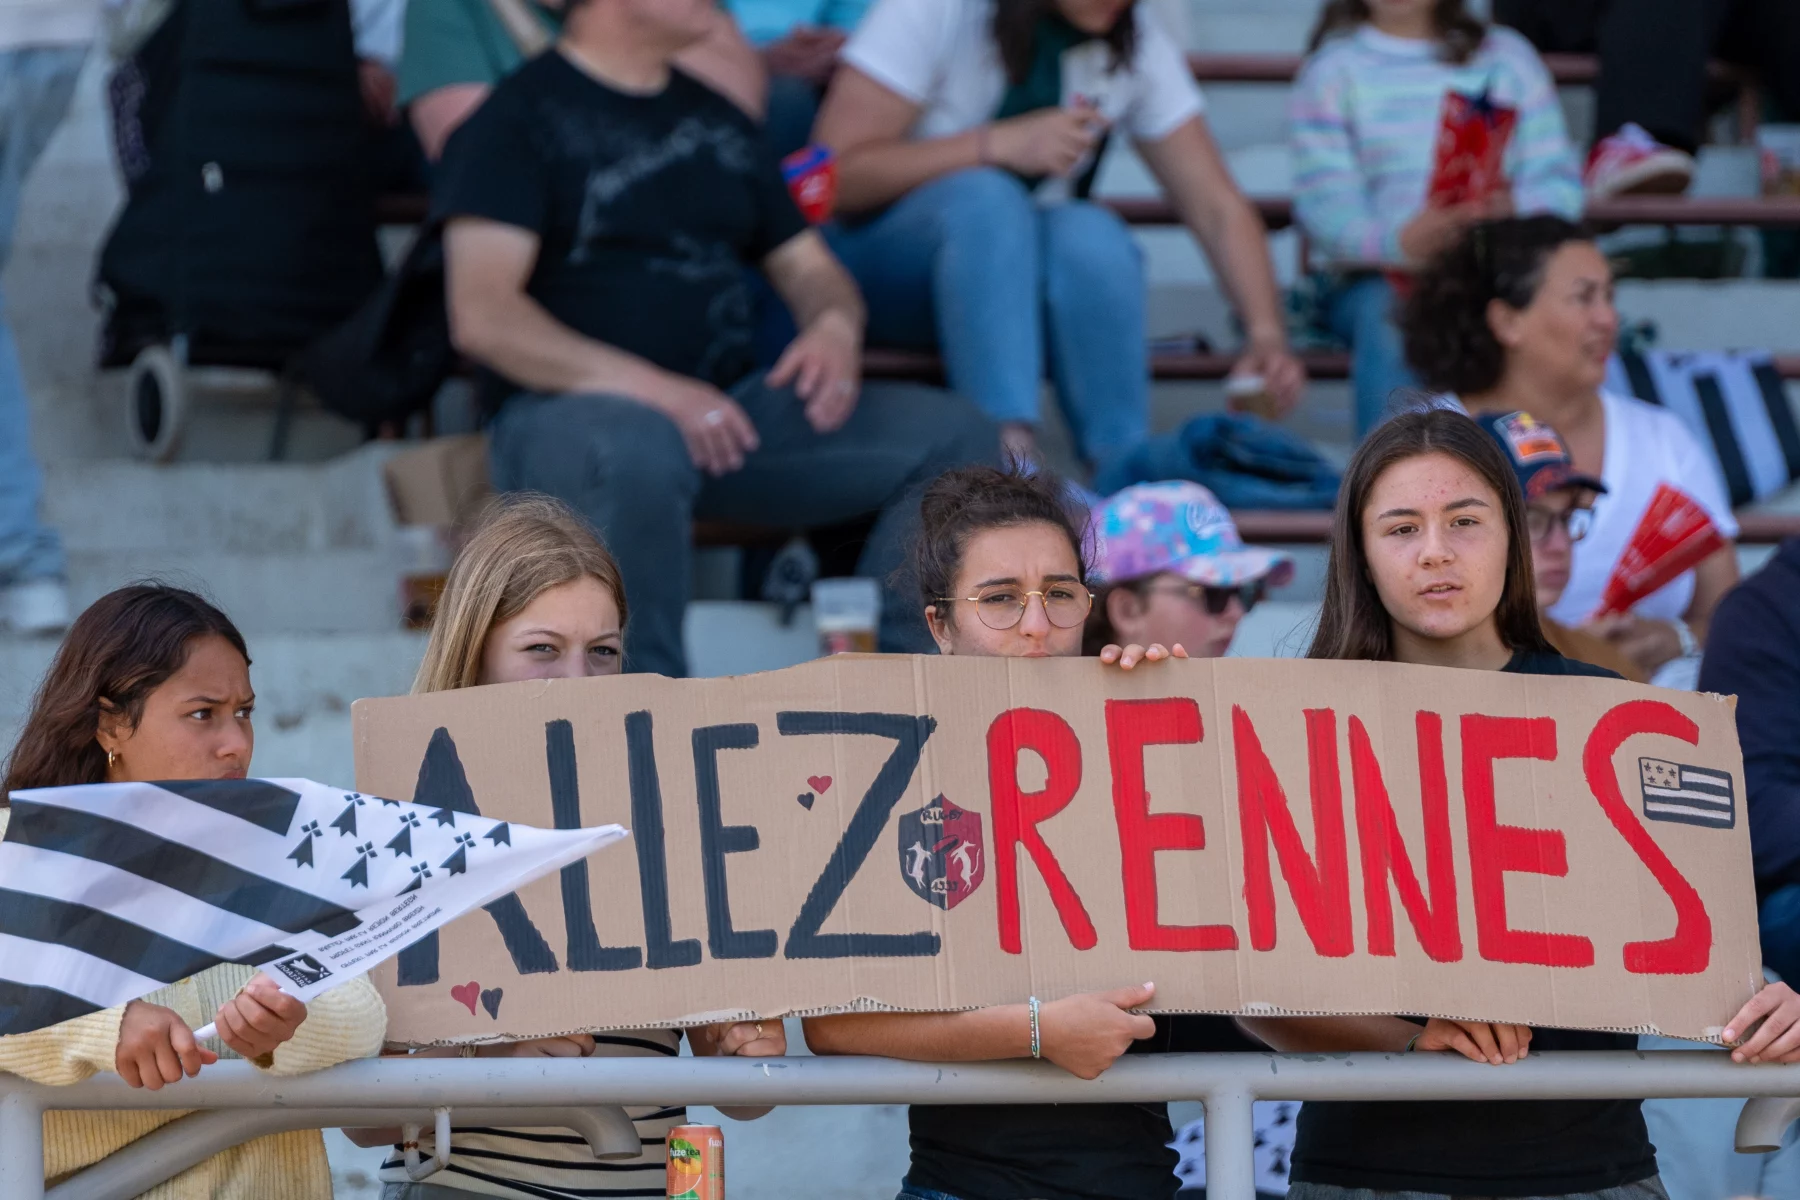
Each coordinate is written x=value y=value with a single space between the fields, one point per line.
x=535 y=595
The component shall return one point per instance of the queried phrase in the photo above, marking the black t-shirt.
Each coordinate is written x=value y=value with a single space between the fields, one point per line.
x=1062 y=1151
x=1485 y=1147
x=649 y=209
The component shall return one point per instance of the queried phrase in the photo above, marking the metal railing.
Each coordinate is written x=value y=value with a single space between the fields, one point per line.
x=233 y=1102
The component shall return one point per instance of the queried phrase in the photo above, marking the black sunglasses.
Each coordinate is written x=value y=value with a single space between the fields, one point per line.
x=1216 y=599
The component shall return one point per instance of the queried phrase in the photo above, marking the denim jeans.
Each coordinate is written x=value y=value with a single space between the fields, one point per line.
x=36 y=84
x=627 y=470
x=1647 y=1189
x=909 y=1191
x=971 y=265
x=1360 y=310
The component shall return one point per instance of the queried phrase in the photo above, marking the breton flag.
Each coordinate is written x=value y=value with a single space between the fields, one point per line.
x=110 y=891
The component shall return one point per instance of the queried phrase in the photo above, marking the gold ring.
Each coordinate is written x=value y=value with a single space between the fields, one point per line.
x=759 y=1031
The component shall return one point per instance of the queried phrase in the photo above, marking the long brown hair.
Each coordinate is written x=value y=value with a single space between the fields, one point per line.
x=1459 y=30
x=125 y=646
x=1352 y=623
x=1016 y=29
x=524 y=544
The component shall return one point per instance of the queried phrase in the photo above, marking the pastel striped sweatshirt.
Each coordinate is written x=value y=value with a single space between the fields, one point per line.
x=1363 y=122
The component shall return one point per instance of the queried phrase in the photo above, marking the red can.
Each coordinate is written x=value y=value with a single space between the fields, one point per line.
x=811 y=174
x=696 y=1162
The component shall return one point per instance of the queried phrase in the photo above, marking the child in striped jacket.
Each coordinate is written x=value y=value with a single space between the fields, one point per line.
x=1363 y=126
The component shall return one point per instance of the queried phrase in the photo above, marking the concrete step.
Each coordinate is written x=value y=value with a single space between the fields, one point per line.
x=248 y=509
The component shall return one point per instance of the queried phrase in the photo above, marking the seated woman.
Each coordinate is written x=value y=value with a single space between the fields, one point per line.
x=1000 y=568
x=1172 y=569
x=1431 y=564
x=154 y=683
x=1517 y=316
x=1363 y=126
x=968 y=134
x=534 y=595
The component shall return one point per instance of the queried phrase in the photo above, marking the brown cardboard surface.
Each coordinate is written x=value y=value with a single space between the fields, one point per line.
x=1216 y=827
x=439 y=482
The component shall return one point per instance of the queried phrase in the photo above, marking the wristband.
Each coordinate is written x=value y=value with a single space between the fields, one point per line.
x=1690 y=646
x=1037 y=1045
x=1413 y=1041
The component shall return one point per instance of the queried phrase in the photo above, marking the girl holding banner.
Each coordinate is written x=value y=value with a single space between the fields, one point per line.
x=154 y=683
x=534 y=595
x=1430 y=564
x=1000 y=567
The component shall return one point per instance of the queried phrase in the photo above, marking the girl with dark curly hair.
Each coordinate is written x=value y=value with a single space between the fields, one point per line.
x=1518 y=316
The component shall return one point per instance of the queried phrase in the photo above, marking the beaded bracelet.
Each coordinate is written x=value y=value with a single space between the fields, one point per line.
x=1037 y=1045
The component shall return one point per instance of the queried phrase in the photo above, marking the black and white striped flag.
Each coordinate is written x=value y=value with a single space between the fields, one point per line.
x=111 y=891
x=1687 y=795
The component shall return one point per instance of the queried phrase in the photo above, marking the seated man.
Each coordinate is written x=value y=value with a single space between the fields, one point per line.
x=1559 y=509
x=455 y=51
x=601 y=209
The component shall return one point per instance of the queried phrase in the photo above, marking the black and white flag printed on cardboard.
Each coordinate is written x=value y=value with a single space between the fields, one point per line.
x=1687 y=795
x=111 y=891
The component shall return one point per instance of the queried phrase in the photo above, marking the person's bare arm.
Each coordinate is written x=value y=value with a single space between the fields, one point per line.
x=1082 y=1034
x=1478 y=1041
x=726 y=62
x=867 y=126
x=436 y=114
x=1191 y=170
x=824 y=364
x=1716 y=575
x=495 y=321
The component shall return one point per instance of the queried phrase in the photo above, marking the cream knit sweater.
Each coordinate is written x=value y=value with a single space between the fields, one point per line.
x=345 y=1023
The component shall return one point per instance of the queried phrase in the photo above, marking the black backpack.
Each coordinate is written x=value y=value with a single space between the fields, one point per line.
x=388 y=360
x=250 y=220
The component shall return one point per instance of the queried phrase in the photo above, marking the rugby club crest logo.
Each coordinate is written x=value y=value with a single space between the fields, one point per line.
x=942 y=856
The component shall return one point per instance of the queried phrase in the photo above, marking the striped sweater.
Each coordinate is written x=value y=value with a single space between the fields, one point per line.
x=345 y=1023
x=1363 y=124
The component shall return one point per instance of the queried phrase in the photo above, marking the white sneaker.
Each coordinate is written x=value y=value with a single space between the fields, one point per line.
x=35 y=608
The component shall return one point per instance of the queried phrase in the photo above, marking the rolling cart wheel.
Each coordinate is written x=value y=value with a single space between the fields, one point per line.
x=156 y=404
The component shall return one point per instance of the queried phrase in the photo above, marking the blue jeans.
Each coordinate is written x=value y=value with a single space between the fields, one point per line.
x=36 y=84
x=909 y=1191
x=1778 y=921
x=626 y=469
x=1360 y=310
x=969 y=264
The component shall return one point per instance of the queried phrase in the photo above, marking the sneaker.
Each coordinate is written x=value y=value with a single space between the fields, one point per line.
x=1631 y=162
x=35 y=608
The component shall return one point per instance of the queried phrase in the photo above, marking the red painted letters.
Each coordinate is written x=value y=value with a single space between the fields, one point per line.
x=1321 y=890
x=1689 y=949
x=1017 y=815
x=1384 y=850
x=1132 y=725
x=1495 y=849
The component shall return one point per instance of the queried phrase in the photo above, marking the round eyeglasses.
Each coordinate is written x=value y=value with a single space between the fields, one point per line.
x=1002 y=605
x=1576 y=522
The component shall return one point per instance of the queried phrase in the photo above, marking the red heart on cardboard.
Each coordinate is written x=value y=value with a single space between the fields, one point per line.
x=819 y=783
x=468 y=994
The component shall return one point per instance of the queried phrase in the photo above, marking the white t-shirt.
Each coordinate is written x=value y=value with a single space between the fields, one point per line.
x=1645 y=446
x=941 y=55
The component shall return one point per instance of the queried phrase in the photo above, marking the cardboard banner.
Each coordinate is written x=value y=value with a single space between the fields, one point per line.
x=1254 y=836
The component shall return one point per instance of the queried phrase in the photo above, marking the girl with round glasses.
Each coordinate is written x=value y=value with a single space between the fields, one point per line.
x=1000 y=569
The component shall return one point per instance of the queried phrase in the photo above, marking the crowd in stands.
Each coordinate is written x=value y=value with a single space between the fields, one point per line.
x=661 y=335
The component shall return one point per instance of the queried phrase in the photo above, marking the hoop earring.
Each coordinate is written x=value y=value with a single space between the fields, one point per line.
x=112 y=758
